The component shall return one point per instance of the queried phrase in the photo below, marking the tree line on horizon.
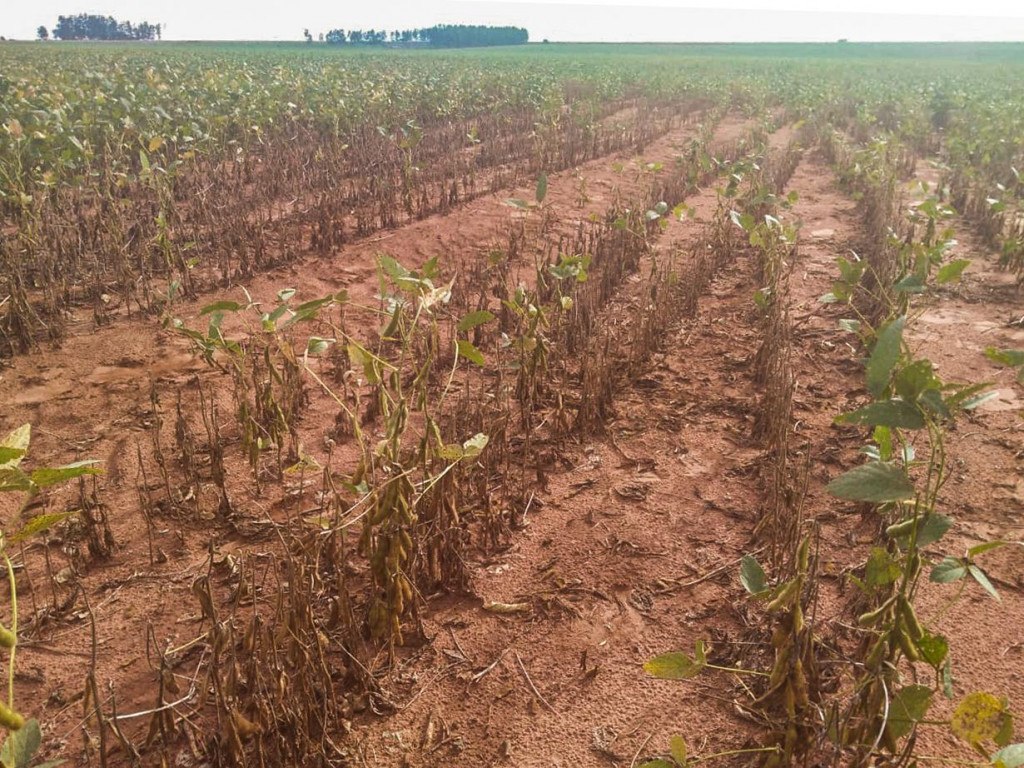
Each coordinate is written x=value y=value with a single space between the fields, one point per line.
x=89 y=26
x=439 y=35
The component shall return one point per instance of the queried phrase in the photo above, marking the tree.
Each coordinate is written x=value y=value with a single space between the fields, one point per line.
x=438 y=36
x=87 y=26
x=42 y=33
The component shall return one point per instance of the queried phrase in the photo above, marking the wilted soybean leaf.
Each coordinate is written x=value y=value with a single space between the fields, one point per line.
x=475 y=445
x=677 y=748
x=979 y=717
x=887 y=351
x=677 y=666
x=752 y=576
x=948 y=570
x=10 y=457
x=876 y=482
x=896 y=414
x=659 y=763
x=908 y=707
x=15 y=446
x=1009 y=757
x=452 y=452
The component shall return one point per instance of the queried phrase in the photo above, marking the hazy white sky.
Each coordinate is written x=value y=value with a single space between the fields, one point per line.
x=661 y=20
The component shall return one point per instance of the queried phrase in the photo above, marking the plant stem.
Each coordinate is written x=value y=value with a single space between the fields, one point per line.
x=748 y=751
x=739 y=671
x=14 y=628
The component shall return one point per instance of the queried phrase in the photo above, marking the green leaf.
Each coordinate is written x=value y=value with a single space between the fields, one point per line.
x=897 y=414
x=431 y=268
x=658 y=763
x=392 y=268
x=221 y=306
x=38 y=524
x=43 y=478
x=881 y=569
x=471 y=353
x=1009 y=757
x=317 y=346
x=979 y=717
x=285 y=294
x=1010 y=357
x=884 y=356
x=473 y=319
x=980 y=549
x=915 y=379
x=908 y=707
x=932 y=400
x=21 y=745
x=950 y=569
x=752 y=576
x=677 y=666
x=299 y=317
x=542 y=188
x=932 y=529
x=517 y=203
x=876 y=482
x=951 y=272
x=933 y=648
x=883 y=439
x=853 y=326
x=973 y=402
x=15 y=446
x=10 y=456
x=910 y=284
x=313 y=305
x=1005 y=735
x=677 y=748
x=980 y=577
